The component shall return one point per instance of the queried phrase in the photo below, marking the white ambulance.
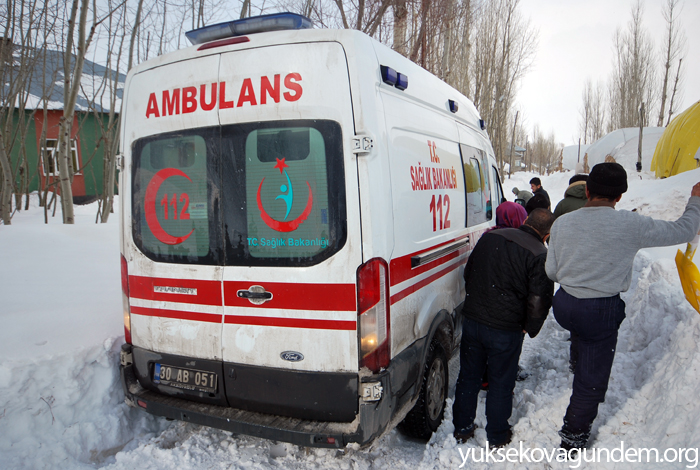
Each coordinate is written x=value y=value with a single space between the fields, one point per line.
x=298 y=206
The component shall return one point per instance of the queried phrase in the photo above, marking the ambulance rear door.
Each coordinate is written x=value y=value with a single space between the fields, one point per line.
x=291 y=230
x=170 y=233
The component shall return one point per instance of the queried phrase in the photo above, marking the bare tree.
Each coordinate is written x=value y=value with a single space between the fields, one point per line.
x=107 y=93
x=504 y=47
x=545 y=151
x=400 y=26
x=599 y=117
x=159 y=26
x=673 y=47
x=632 y=79
x=586 y=110
x=462 y=48
x=592 y=112
x=28 y=25
x=72 y=73
x=365 y=15
x=481 y=48
x=676 y=84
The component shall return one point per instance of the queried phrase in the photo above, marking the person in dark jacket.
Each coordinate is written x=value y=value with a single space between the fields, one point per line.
x=574 y=196
x=538 y=201
x=508 y=294
x=536 y=186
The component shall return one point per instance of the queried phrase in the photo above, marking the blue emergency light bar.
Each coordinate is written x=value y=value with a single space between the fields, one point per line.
x=252 y=25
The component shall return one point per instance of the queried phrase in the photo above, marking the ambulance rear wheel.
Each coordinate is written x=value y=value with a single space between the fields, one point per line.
x=425 y=417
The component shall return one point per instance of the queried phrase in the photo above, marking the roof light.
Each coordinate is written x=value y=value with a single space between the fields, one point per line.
x=454 y=106
x=252 y=25
x=401 y=81
x=389 y=75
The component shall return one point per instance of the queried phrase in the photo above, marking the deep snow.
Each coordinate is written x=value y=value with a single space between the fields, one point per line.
x=61 y=404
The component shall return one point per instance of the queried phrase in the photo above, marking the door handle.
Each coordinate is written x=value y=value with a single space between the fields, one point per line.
x=255 y=294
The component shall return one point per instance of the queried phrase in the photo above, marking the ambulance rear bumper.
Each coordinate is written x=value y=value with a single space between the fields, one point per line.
x=372 y=420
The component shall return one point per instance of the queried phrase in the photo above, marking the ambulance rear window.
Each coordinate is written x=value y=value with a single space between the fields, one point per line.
x=258 y=194
x=292 y=211
x=171 y=194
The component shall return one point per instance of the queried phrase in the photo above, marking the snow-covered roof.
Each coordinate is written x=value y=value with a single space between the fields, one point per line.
x=46 y=81
x=622 y=145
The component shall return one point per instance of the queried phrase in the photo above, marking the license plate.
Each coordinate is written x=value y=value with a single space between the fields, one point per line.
x=187 y=379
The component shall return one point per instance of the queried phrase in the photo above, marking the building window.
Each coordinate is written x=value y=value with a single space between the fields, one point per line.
x=51 y=157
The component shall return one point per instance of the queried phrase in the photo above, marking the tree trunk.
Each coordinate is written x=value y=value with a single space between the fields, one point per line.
x=446 y=48
x=400 y=19
x=72 y=85
x=134 y=32
x=673 y=95
x=6 y=193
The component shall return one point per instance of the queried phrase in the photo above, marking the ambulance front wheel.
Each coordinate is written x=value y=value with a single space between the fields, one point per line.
x=425 y=417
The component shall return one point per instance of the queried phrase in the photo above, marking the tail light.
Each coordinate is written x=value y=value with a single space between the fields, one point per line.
x=373 y=311
x=125 y=301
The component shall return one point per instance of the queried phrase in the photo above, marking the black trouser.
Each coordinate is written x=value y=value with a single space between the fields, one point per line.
x=501 y=349
x=593 y=324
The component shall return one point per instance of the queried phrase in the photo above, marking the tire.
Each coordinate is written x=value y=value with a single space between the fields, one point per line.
x=425 y=417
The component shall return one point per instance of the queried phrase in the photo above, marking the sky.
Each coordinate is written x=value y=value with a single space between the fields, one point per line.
x=576 y=43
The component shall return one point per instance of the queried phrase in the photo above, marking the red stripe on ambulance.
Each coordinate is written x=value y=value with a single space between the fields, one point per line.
x=207 y=96
x=177 y=314
x=424 y=282
x=295 y=296
x=400 y=268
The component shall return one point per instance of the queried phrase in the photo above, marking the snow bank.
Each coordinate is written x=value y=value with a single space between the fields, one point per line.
x=61 y=404
x=66 y=410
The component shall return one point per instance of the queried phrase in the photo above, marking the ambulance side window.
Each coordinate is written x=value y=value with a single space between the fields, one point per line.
x=476 y=182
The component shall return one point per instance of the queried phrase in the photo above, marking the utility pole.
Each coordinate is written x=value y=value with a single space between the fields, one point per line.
x=578 y=158
x=639 y=147
x=512 y=145
x=528 y=158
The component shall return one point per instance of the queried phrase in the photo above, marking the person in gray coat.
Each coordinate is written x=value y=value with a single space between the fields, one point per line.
x=591 y=251
x=521 y=197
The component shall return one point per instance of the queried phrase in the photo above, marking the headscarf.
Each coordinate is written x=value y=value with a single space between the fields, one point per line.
x=510 y=214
